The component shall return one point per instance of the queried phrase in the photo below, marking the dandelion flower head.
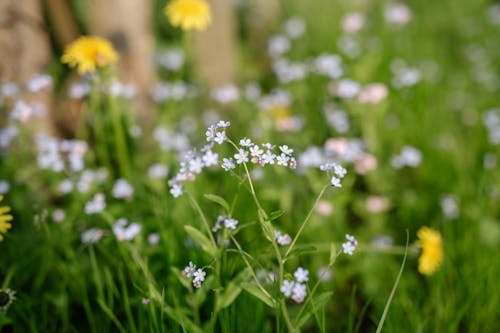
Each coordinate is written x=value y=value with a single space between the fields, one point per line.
x=432 y=250
x=89 y=52
x=5 y=217
x=189 y=14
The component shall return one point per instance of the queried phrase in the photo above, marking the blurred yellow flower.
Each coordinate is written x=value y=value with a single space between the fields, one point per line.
x=432 y=250
x=4 y=218
x=189 y=14
x=89 y=52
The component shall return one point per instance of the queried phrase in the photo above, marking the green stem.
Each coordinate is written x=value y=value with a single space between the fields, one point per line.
x=252 y=272
x=290 y=248
x=120 y=141
x=98 y=124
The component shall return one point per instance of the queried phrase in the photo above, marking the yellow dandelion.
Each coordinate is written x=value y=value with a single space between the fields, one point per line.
x=89 y=52
x=4 y=219
x=189 y=14
x=432 y=250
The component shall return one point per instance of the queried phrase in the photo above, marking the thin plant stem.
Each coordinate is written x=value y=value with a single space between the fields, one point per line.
x=252 y=272
x=121 y=144
x=290 y=248
x=98 y=125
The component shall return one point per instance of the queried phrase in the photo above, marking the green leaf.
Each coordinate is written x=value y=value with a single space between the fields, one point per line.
x=267 y=228
x=218 y=200
x=182 y=279
x=333 y=255
x=301 y=250
x=276 y=215
x=227 y=297
x=313 y=306
x=182 y=319
x=201 y=239
x=393 y=291
x=255 y=291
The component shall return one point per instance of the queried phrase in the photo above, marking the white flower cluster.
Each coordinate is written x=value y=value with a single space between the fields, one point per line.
x=282 y=239
x=491 y=120
x=91 y=236
x=297 y=289
x=349 y=246
x=195 y=161
x=248 y=151
x=7 y=134
x=52 y=153
x=125 y=231
x=409 y=157
x=23 y=111
x=96 y=204
x=85 y=181
x=198 y=275
x=338 y=171
x=170 y=59
x=224 y=222
x=176 y=91
x=404 y=75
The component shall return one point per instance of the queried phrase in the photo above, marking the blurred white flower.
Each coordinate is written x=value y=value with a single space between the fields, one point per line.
x=158 y=171
x=122 y=189
x=125 y=231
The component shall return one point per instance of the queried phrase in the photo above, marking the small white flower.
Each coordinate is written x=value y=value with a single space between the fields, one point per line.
x=336 y=182
x=189 y=270
x=66 y=186
x=223 y=124
x=268 y=157
x=241 y=156
x=95 y=205
x=154 y=239
x=245 y=142
x=339 y=171
x=283 y=239
x=228 y=164
x=282 y=160
x=124 y=232
x=176 y=190
x=349 y=246
x=210 y=134
x=220 y=137
x=255 y=151
x=287 y=288
x=268 y=146
x=230 y=223
x=196 y=165
x=58 y=215
x=210 y=158
x=4 y=187
x=91 y=236
x=301 y=275
x=219 y=222
x=199 y=275
x=158 y=171
x=122 y=189
x=286 y=150
x=299 y=292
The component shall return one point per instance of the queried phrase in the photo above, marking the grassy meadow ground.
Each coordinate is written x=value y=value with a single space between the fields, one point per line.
x=442 y=72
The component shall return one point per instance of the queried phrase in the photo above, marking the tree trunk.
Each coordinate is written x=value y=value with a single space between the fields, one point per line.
x=24 y=49
x=127 y=24
x=215 y=48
